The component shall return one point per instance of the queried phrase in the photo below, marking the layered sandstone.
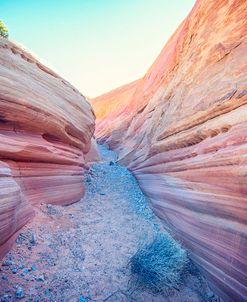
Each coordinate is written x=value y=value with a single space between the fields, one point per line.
x=113 y=113
x=46 y=127
x=186 y=139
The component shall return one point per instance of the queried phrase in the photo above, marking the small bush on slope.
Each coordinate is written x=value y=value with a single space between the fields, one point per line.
x=3 y=30
x=159 y=265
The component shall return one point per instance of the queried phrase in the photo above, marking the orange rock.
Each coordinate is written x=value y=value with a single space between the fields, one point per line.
x=113 y=113
x=186 y=139
x=93 y=154
x=46 y=127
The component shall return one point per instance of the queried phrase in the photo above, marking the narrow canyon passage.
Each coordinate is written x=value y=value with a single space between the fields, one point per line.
x=81 y=252
x=73 y=223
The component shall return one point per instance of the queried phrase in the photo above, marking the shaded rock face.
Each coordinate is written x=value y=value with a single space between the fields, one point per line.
x=185 y=139
x=46 y=127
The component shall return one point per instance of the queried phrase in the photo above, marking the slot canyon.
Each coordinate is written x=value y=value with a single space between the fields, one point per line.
x=176 y=139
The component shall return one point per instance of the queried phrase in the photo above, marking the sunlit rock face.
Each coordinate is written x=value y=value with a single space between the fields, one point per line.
x=46 y=127
x=113 y=113
x=186 y=139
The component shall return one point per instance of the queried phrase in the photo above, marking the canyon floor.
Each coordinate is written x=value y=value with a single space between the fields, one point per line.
x=81 y=252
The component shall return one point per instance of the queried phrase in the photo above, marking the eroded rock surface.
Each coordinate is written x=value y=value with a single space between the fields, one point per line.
x=183 y=133
x=46 y=127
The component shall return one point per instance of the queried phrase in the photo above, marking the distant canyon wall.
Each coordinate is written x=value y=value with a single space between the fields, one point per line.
x=182 y=130
x=46 y=127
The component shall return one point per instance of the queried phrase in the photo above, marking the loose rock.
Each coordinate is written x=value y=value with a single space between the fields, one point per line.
x=19 y=293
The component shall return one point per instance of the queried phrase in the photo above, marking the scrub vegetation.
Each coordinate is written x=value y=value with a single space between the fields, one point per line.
x=159 y=265
x=3 y=30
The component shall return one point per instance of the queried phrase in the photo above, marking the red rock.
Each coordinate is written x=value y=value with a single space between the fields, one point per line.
x=113 y=113
x=15 y=211
x=93 y=154
x=46 y=127
x=186 y=139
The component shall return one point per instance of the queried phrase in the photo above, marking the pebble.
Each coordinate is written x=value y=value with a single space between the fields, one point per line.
x=5 y=278
x=8 y=263
x=19 y=293
x=33 y=239
x=14 y=270
x=48 y=291
x=40 y=278
x=82 y=299
x=6 y=298
x=20 y=239
x=33 y=268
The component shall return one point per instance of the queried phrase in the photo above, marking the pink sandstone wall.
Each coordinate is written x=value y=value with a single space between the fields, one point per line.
x=186 y=139
x=46 y=127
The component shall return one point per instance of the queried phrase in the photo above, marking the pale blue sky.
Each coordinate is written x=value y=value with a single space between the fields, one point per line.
x=97 y=45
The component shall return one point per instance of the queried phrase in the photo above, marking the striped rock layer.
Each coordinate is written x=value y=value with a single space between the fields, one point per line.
x=46 y=127
x=182 y=130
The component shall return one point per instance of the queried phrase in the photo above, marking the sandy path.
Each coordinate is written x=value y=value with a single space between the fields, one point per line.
x=80 y=252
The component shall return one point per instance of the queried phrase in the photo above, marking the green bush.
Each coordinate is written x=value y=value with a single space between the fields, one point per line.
x=3 y=30
x=159 y=265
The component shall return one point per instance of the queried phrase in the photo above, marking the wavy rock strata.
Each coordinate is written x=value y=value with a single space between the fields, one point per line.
x=184 y=136
x=46 y=127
